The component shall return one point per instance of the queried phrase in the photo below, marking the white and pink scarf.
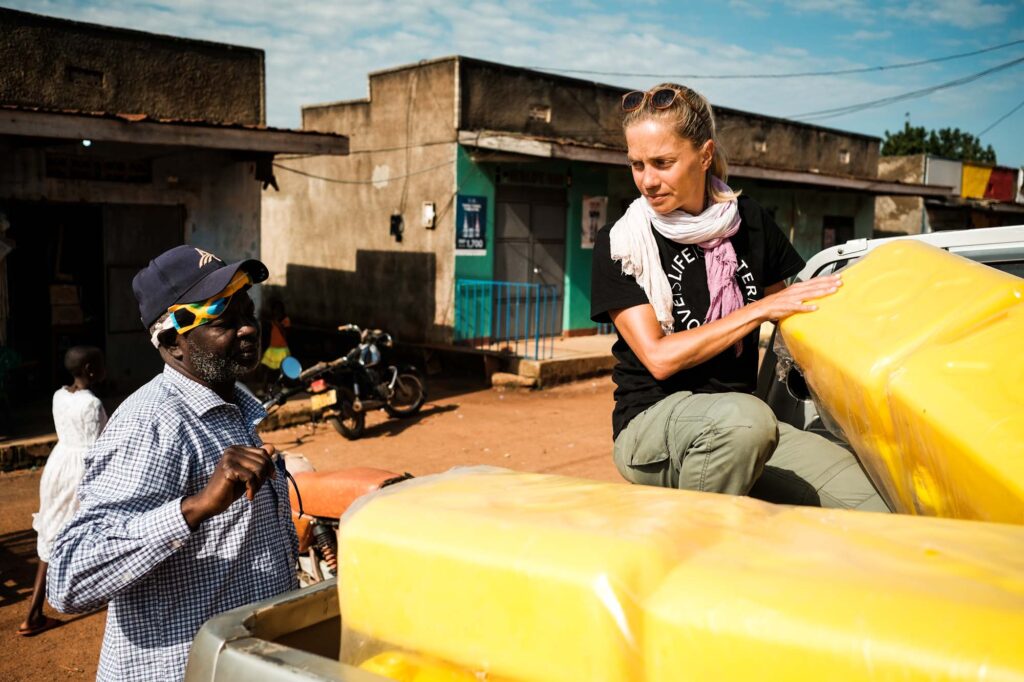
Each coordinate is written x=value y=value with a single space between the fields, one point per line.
x=633 y=244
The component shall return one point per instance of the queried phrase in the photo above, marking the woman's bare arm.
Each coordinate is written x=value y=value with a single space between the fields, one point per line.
x=663 y=355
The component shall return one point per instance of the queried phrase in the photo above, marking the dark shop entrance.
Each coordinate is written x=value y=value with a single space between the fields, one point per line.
x=68 y=282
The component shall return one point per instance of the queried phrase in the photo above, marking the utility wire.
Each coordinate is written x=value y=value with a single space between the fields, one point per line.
x=854 y=108
x=360 y=182
x=809 y=116
x=1002 y=118
x=353 y=152
x=801 y=74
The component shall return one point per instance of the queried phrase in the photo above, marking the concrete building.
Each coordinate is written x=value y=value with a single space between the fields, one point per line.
x=467 y=174
x=976 y=195
x=115 y=145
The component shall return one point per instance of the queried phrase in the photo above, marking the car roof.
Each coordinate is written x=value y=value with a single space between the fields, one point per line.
x=989 y=244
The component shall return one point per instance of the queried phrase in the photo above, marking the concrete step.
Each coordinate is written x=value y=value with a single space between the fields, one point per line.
x=25 y=453
x=560 y=370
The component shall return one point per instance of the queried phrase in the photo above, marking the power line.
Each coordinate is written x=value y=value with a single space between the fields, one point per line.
x=360 y=182
x=854 y=108
x=1002 y=118
x=800 y=74
x=353 y=152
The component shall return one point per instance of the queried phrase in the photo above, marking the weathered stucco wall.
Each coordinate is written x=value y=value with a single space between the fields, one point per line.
x=539 y=104
x=902 y=168
x=900 y=215
x=220 y=195
x=59 y=64
x=558 y=107
x=754 y=140
x=328 y=243
x=206 y=198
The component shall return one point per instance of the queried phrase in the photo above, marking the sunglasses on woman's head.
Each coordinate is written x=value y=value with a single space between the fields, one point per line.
x=662 y=98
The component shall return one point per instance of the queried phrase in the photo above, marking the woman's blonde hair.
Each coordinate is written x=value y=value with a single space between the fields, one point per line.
x=691 y=117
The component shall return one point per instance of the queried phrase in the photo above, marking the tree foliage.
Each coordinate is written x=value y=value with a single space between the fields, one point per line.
x=949 y=143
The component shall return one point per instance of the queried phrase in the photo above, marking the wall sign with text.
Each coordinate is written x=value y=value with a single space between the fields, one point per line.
x=595 y=210
x=470 y=226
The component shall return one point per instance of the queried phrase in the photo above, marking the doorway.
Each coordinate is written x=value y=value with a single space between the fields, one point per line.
x=529 y=247
x=69 y=283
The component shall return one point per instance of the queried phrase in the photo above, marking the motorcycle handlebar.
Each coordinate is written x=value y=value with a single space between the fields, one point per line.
x=303 y=379
x=311 y=372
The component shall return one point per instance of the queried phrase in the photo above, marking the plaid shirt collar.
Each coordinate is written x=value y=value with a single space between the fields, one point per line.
x=202 y=399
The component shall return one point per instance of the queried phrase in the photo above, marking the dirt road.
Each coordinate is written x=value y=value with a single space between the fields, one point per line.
x=565 y=430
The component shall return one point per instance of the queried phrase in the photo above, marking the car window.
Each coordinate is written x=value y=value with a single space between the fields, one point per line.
x=1014 y=267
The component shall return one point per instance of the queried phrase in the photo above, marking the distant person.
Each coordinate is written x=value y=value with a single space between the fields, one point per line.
x=687 y=276
x=79 y=417
x=277 y=347
x=276 y=343
x=183 y=514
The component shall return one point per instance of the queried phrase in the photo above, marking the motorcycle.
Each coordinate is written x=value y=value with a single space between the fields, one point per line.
x=363 y=384
x=318 y=499
x=343 y=390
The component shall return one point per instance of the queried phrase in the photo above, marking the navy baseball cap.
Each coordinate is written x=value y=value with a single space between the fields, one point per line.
x=186 y=274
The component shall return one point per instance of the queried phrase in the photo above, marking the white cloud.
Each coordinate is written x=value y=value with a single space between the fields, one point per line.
x=854 y=10
x=966 y=14
x=866 y=36
x=757 y=10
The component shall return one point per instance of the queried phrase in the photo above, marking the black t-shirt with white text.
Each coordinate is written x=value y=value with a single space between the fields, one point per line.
x=764 y=257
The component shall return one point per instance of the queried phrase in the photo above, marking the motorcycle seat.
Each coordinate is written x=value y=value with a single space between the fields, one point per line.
x=328 y=494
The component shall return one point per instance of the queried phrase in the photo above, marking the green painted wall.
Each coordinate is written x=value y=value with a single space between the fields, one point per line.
x=475 y=180
x=587 y=180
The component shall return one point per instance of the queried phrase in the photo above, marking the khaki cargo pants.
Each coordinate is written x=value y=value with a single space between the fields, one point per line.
x=731 y=443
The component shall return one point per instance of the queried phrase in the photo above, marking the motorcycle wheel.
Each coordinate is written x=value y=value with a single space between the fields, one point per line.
x=348 y=422
x=408 y=397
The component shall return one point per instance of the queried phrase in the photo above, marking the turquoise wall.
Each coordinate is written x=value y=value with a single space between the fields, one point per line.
x=474 y=179
x=479 y=179
x=587 y=180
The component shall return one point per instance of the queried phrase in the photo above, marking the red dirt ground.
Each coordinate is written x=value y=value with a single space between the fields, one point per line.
x=564 y=430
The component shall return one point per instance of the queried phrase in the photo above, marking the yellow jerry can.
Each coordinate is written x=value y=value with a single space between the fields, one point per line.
x=541 y=578
x=902 y=297
x=958 y=412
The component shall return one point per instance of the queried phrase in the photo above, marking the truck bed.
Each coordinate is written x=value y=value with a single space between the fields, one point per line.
x=295 y=636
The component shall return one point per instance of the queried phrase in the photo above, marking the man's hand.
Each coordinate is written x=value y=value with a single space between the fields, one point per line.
x=241 y=470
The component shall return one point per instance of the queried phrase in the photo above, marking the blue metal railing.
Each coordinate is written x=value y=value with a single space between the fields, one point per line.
x=513 y=317
x=605 y=328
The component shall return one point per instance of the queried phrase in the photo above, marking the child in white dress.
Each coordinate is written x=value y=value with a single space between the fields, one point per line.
x=79 y=418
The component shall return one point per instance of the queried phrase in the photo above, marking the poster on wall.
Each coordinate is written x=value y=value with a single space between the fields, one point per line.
x=471 y=226
x=595 y=210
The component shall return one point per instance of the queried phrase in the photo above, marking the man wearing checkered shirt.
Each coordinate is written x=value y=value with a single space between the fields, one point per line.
x=182 y=514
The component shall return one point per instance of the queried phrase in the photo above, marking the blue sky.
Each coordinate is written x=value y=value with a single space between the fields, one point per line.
x=321 y=50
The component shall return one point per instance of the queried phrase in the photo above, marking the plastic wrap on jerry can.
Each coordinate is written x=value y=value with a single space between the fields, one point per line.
x=404 y=666
x=520 y=575
x=844 y=596
x=539 y=578
x=902 y=296
x=958 y=413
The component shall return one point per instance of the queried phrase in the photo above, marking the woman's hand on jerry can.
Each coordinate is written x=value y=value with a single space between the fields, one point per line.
x=797 y=298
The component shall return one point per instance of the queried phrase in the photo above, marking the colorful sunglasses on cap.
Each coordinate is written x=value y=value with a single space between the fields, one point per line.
x=187 y=316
